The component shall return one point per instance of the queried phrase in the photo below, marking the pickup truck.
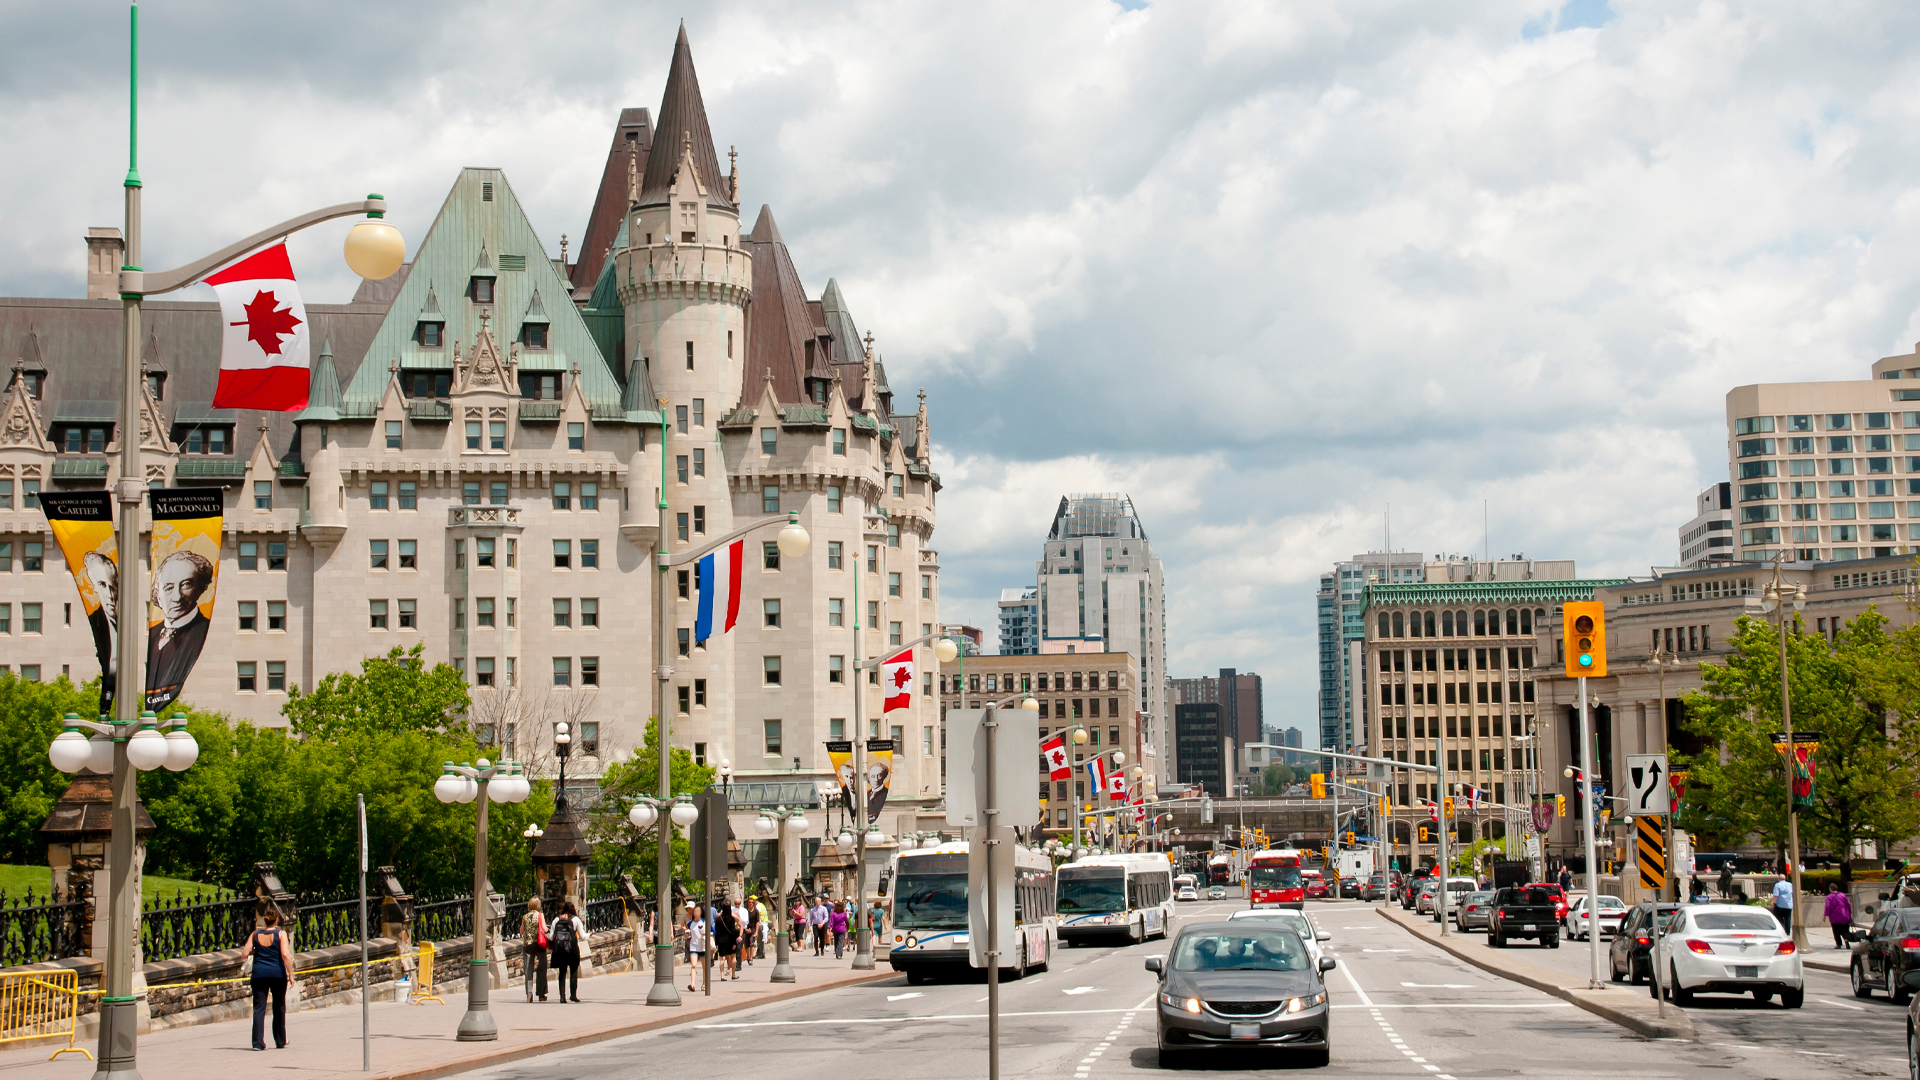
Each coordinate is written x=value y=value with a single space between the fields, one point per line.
x=1526 y=912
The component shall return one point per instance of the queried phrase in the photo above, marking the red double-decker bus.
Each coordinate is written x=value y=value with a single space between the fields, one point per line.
x=1274 y=879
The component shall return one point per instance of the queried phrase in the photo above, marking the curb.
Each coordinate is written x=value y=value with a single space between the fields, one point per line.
x=673 y=1017
x=1678 y=1025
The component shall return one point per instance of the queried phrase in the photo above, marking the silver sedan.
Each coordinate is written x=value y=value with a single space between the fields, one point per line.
x=1473 y=912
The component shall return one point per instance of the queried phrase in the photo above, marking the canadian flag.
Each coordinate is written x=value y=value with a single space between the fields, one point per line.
x=1139 y=807
x=1055 y=751
x=264 y=344
x=896 y=673
x=1117 y=785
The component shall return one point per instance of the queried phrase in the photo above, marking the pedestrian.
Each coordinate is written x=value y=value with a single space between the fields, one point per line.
x=751 y=944
x=726 y=941
x=837 y=926
x=696 y=944
x=1726 y=880
x=1783 y=903
x=1566 y=880
x=566 y=939
x=797 y=924
x=269 y=955
x=533 y=949
x=1699 y=893
x=1839 y=915
x=763 y=924
x=817 y=916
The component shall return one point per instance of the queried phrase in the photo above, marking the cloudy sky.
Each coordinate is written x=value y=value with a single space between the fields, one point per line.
x=1270 y=268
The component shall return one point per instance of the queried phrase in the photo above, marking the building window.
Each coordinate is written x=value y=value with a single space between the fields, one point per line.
x=407 y=611
x=770 y=612
x=686 y=699
x=589 y=613
x=246 y=679
x=483 y=611
x=277 y=555
x=893 y=584
x=833 y=498
x=699 y=412
x=769 y=440
x=249 y=555
x=589 y=554
x=33 y=558
x=699 y=462
x=249 y=614
x=893 y=534
x=30 y=494
x=833 y=555
x=377 y=495
x=589 y=676
x=409 y=554
x=836 y=611
x=770 y=498
x=687 y=238
x=893 y=633
x=377 y=614
x=263 y=494
x=772 y=728
x=533 y=335
x=836 y=669
x=590 y=496
x=562 y=554
x=480 y=289
x=897 y=488
x=563 y=671
x=562 y=495
x=700 y=519
x=700 y=693
x=680 y=524
x=770 y=670
x=873 y=558
x=377 y=554
x=686 y=641
x=926 y=586
x=483 y=670
x=473 y=434
x=873 y=614
x=576 y=436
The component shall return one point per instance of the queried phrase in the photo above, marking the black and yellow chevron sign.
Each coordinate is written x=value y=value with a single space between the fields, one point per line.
x=1651 y=842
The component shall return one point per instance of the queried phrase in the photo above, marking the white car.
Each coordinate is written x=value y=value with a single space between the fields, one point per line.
x=1730 y=949
x=1295 y=920
x=1188 y=893
x=1612 y=911
x=1457 y=890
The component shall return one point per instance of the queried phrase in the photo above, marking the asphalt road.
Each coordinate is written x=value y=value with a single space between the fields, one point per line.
x=1402 y=1009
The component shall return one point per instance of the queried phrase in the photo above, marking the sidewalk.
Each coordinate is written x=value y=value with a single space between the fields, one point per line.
x=1632 y=1008
x=416 y=1042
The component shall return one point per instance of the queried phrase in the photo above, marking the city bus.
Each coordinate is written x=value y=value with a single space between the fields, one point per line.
x=1274 y=879
x=1115 y=897
x=930 y=927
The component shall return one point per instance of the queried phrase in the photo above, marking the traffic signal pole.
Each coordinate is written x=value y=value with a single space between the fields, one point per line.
x=1587 y=750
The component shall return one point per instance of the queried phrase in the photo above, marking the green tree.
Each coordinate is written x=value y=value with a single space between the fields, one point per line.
x=393 y=693
x=1865 y=773
x=1275 y=779
x=618 y=846
x=30 y=715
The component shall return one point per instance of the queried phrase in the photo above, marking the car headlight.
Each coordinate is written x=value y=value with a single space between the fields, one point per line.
x=1192 y=1005
x=1295 y=1005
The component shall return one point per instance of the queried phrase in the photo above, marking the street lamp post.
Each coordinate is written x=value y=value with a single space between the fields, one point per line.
x=781 y=823
x=794 y=542
x=1661 y=659
x=481 y=782
x=944 y=650
x=643 y=814
x=1775 y=599
x=374 y=250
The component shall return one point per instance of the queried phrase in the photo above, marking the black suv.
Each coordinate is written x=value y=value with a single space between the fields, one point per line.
x=1630 y=950
x=1525 y=912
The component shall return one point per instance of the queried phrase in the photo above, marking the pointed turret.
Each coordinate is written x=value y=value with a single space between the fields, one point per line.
x=323 y=389
x=683 y=122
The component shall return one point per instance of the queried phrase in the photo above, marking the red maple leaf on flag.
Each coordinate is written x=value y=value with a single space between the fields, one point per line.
x=267 y=322
x=901 y=678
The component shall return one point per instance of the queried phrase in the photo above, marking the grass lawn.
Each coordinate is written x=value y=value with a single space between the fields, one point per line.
x=15 y=880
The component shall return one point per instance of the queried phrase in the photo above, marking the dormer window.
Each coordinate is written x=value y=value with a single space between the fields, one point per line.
x=157 y=385
x=36 y=383
x=429 y=333
x=78 y=439
x=427 y=384
x=540 y=385
x=204 y=440
x=534 y=335
x=480 y=289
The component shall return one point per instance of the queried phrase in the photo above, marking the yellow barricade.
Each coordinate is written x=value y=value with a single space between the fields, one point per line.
x=40 y=1004
x=423 y=979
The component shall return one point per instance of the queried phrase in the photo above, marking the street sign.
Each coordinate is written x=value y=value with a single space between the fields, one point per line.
x=1647 y=790
x=1003 y=879
x=1014 y=754
x=707 y=844
x=1650 y=842
x=1533 y=847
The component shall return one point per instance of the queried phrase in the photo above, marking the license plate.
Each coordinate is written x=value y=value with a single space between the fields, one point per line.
x=1526 y=926
x=1243 y=1031
x=1746 y=972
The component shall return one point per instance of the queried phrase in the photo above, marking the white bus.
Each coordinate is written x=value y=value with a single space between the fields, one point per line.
x=1126 y=897
x=930 y=900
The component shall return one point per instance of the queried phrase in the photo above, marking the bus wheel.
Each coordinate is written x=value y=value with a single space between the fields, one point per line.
x=915 y=978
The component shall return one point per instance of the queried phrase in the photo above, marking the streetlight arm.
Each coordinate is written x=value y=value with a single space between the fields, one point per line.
x=664 y=559
x=1391 y=763
x=876 y=661
x=140 y=283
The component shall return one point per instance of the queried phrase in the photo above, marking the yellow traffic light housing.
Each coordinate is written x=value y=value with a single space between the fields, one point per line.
x=1561 y=804
x=1446 y=806
x=1386 y=806
x=1585 y=625
x=1426 y=833
x=1349 y=839
x=1319 y=785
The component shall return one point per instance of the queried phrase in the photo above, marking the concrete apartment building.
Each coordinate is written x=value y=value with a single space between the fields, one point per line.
x=1827 y=471
x=1242 y=713
x=1100 y=691
x=1204 y=747
x=1020 y=621
x=1100 y=590
x=1707 y=540
x=478 y=467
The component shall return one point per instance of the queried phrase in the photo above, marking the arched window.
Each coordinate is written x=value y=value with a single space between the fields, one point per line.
x=1540 y=616
x=1384 y=625
x=1399 y=625
x=1460 y=623
x=1429 y=624
x=1446 y=624
x=1526 y=620
x=1479 y=623
x=1413 y=624
x=1513 y=622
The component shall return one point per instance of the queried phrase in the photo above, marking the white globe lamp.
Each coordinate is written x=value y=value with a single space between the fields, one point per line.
x=374 y=249
x=70 y=751
x=182 y=750
x=643 y=815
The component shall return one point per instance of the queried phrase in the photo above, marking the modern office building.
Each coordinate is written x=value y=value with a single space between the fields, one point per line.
x=1707 y=540
x=1100 y=590
x=1827 y=471
x=1203 y=750
x=1293 y=737
x=969 y=637
x=1242 y=715
x=1020 y=621
x=478 y=467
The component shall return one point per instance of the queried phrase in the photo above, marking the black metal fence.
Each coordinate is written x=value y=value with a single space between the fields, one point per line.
x=325 y=921
x=39 y=927
x=186 y=925
x=607 y=913
x=442 y=920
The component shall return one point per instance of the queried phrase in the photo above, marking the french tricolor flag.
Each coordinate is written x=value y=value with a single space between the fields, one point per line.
x=719 y=584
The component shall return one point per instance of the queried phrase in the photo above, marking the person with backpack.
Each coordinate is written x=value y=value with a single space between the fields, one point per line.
x=566 y=938
x=533 y=948
x=726 y=941
x=268 y=953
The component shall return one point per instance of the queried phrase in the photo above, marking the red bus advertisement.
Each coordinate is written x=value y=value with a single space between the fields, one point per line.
x=1274 y=879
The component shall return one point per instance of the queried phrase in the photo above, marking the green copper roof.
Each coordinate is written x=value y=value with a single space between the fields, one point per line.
x=1487 y=592
x=481 y=225
x=323 y=389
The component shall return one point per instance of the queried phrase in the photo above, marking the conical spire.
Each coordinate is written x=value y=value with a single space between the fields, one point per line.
x=323 y=388
x=683 y=120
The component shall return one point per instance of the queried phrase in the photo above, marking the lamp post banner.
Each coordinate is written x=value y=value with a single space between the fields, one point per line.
x=879 y=776
x=264 y=340
x=1542 y=816
x=840 y=754
x=185 y=557
x=82 y=524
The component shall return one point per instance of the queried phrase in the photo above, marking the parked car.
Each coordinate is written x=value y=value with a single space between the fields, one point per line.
x=1473 y=911
x=1886 y=952
x=1610 y=912
x=1629 y=956
x=1525 y=912
x=1730 y=949
x=1241 y=985
x=1294 y=919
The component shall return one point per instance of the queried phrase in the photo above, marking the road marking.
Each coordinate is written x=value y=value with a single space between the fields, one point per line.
x=1841 y=1004
x=1361 y=994
x=902 y=997
x=1815 y=1053
x=1466 y=1005
x=1384 y=950
x=913 y=1019
x=1081 y=990
x=1434 y=986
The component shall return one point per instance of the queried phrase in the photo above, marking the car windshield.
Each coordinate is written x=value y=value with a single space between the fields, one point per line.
x=1525 y=898
x=1479 y=897
x=930 y=901
x=1261 y=949
x=1460 y=886
x=1092 y=889
x=1292 y=920
x=1611 y=903
x=1734 y=920
x=1276 y=877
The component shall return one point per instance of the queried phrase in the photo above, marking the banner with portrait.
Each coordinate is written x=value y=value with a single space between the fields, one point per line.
x=185 y=559
x=879 y=776
x=82 y=524
x=840 y=756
